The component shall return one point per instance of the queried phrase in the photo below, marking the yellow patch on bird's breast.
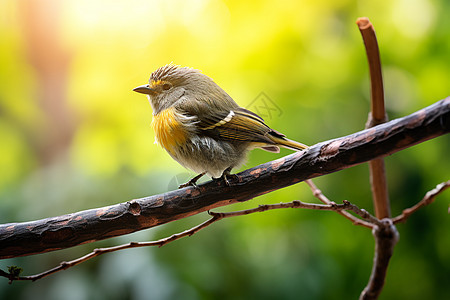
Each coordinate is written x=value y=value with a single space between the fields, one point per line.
x=169 y=131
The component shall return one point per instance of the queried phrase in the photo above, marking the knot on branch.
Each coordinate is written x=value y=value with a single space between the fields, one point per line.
x=386 y=230
x=296 y=203
x=134 y=208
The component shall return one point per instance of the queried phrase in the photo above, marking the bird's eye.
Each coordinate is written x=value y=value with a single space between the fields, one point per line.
x=166 y=86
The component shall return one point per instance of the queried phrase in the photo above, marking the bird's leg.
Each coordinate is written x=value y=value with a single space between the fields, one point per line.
x=226 y=173
x=192 y=182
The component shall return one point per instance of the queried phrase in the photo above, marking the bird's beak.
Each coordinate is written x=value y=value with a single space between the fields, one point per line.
x=144 y=89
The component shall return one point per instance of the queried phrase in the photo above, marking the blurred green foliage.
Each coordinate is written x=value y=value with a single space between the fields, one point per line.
x=74 y=136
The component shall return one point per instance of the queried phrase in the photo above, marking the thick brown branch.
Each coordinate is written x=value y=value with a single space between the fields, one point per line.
x=215 y=217
x=99 y=251
x=18 y=239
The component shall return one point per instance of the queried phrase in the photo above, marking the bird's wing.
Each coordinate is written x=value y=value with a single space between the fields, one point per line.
x=238 y=124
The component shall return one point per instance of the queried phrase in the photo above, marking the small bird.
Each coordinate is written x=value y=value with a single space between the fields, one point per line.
x=201 y=126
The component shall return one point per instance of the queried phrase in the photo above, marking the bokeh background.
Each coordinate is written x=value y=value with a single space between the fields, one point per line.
x=74 y=136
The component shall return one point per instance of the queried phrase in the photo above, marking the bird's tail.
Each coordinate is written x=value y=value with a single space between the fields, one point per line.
x=289 y=144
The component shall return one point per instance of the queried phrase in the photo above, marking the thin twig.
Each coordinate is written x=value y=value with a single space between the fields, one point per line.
x=319 y=195
x=294 y=204
x=427 y=199
x=214 y=218
x=377 y=116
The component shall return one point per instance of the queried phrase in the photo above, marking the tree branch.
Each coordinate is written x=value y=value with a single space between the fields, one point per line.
x=386 y=236
x=318 y=194
x=378 y=111
x=427 y=199
x=377 y=116
x=19 y=239
x=14 y=273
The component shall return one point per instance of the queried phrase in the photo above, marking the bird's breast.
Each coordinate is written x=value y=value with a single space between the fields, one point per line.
x=170 y=132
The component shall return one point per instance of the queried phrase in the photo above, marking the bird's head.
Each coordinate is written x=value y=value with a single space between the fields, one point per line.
x=171 y=82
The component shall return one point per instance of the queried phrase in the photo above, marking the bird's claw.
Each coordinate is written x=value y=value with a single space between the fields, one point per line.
x=192 y=182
